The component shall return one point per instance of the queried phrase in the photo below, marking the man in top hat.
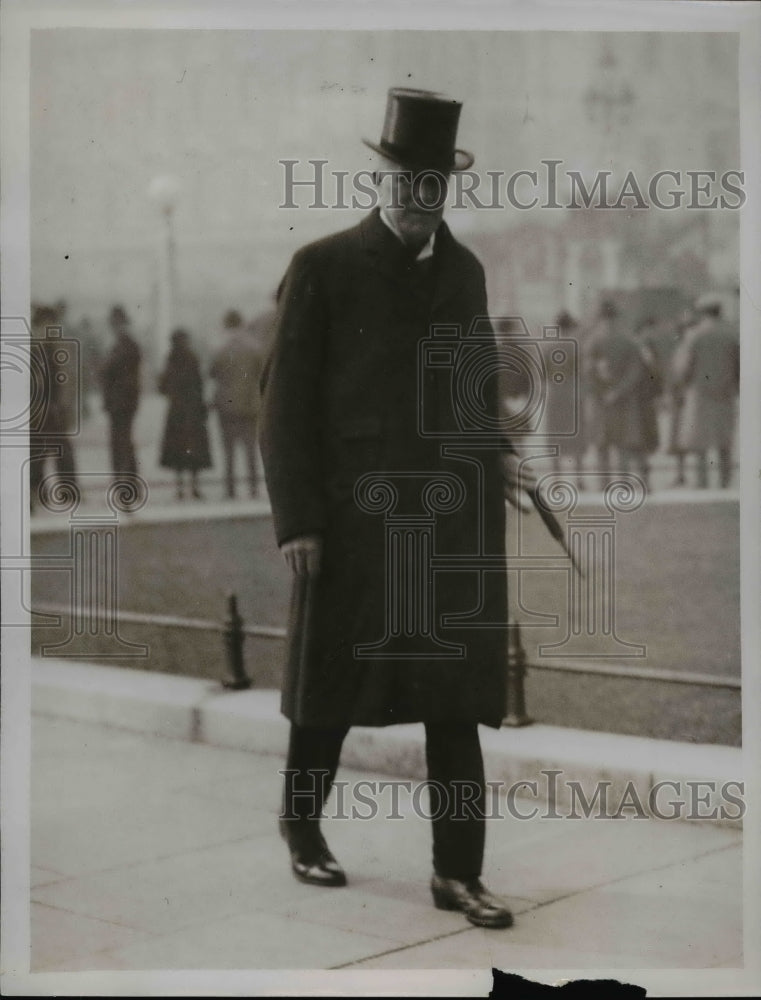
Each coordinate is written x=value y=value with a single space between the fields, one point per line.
x=364 y=448
x=236 y=368
x=120 y=382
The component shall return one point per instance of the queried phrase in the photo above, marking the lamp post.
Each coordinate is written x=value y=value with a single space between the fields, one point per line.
x=609 y=104
x=609 y=100
x=164 y=191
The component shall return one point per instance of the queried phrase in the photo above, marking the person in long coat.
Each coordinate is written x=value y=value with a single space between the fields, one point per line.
x=360 y=405
x=616 y=376
x=649 y=390
x=678 y=328
x=185 y=441
x=236 y=368
x=120 y=381
x=707 y=364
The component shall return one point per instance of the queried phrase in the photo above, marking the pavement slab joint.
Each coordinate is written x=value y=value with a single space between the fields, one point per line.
x=230 y=897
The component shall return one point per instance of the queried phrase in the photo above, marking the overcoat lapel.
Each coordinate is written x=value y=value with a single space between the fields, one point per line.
x=390 y=258
x=386 y=253
x=449 y=273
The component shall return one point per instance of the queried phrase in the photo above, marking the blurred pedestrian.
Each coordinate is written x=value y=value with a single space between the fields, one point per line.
x=69 y=368
x=236 y=368
x=91 y=363
x=564 y=407
x=120 y=381
x=616 y=373
x=649 y=390
x=262 y=328
x=675 y=395
x=185 y=442
x=707 y=364
x=53 y=397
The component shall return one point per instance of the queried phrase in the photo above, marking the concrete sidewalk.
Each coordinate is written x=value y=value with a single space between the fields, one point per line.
x=204 y=711
x=151 y=852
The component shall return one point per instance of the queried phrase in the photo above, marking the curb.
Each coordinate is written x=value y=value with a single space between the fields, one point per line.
x=219 y=510
x=202 y=711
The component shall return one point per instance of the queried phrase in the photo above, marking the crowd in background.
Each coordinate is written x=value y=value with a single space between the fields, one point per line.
x=685 y=368
x=65 y=369
x=680 y=372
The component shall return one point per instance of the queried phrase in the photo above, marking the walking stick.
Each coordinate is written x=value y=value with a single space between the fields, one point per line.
x=301 y=630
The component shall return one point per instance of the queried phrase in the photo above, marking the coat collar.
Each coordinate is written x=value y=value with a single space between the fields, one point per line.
x=390 y=257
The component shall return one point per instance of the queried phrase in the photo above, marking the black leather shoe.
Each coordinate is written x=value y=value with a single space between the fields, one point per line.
x=470 y=897
x=311 y=859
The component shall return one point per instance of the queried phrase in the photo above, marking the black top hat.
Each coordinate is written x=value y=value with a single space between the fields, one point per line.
x=565 y=321
x=232 y=319
x=420 y=131
x=43 y=314
x=118 y=316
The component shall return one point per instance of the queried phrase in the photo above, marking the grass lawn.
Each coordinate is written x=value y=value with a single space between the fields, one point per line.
x=677 y=594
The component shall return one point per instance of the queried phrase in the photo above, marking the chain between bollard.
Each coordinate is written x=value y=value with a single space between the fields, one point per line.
x=516 y=672
x=234 y=637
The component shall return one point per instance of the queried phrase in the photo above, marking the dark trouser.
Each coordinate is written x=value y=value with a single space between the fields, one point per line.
x=123 y=458
x=725 y=468
x=455 y=769
x=239 y=429
x=57 y=447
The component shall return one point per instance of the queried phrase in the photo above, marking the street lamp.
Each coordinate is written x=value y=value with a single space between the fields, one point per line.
x=609 y=100
x=164 y=191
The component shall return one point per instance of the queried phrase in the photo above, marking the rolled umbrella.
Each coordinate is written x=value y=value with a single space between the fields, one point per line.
x=552 y=524
x=300 y=643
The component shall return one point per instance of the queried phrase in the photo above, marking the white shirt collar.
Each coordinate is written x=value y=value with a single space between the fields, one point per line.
x=427 y=248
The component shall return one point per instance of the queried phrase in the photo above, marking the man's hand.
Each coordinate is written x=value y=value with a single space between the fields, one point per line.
x=303 y=554
x=516 y=478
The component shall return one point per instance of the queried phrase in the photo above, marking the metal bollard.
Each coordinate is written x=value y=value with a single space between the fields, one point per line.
x=516 y=671
x=234 y=637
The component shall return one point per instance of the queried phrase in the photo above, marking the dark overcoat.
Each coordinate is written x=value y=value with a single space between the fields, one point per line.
x=120 y=376
x=614 y=364
x=350 y=392
x=185 y=441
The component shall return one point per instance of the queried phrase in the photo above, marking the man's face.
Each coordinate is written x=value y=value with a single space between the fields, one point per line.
x=414 y=201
